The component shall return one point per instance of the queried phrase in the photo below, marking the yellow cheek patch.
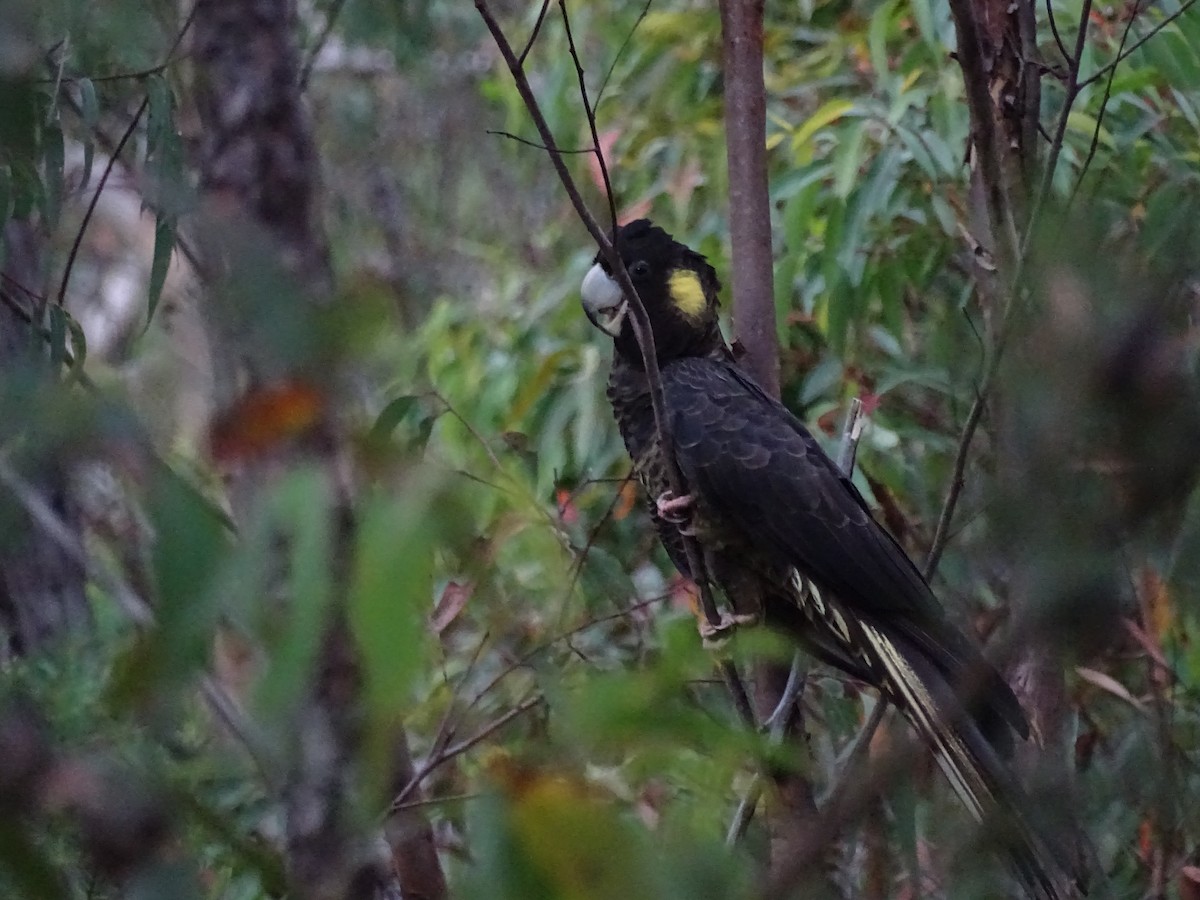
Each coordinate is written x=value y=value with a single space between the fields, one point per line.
x=686 y=292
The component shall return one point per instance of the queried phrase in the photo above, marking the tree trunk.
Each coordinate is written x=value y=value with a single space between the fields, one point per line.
x=41 y=587
x=259 y=173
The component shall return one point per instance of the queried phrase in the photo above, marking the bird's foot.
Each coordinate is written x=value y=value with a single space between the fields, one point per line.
x=715 y=635
x=675 y=510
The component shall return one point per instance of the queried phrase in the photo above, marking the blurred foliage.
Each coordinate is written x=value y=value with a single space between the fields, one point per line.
x=501 y=555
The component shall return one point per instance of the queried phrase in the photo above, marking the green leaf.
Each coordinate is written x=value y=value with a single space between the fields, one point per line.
x=164 y=246
x=391 y=596
x=189 y=544
x=89 y=107
x=58 y=336
x=300 y=517
x=848 y=159
x=823 y=117
x=53 y=163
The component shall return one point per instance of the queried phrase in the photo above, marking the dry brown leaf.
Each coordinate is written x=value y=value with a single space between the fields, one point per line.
x=454 y=598
x=1111 y=685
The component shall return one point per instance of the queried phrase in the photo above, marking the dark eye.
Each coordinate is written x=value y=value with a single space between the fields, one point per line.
x=639 y=269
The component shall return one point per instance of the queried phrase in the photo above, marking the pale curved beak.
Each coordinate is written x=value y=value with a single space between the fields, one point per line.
x=603 y=301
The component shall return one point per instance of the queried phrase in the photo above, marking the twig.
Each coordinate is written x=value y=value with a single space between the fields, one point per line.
x=594 y=532
x=852 y=429
x=1056 y=144
x=462 y=747
x=941 y=534
x=745 y=812
x=87 y=216
x=1062 y=48
x=335 y=10
x=738 y=693
x=535 y=144
x=112 y=159
x=854 y=756
x=1136 y=45
x=591 y=118
x=537 y=27
x=1112 y=73
x=620 y=50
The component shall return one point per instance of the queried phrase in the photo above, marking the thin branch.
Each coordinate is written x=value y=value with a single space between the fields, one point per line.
x=537 y=27
x=856 y=754
x=852 y=429
x=535 y=144
x=744 y=814
x=335 y=10
x=620 y=50
x=1136 y=45
x=1112 y=73
x=112 y=158
x=591 y=118
x=462 y=747
x=1062 y=47
x=941 y=534
x=1056 y=144
x=87 y=216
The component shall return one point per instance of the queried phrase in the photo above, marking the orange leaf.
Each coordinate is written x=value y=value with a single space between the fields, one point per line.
x=685 y=595
x=1156 y=603
x=1145 y=839
x=265 y=418
x=567 y=510
x=626 y=501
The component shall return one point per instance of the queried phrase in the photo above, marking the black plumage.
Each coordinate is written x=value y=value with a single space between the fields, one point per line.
x=788 y=537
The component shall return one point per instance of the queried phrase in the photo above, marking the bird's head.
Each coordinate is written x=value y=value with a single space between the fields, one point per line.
x=676 y=285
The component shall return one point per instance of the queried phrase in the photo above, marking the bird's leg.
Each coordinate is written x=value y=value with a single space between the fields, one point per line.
x=715 y=635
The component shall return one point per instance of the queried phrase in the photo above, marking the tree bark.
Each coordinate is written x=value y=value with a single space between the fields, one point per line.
x=791 y=803
x=42 y=592
x=749 y=201
x=259 y=174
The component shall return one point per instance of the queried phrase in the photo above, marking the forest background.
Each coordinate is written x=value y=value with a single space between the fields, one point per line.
x=320 y=571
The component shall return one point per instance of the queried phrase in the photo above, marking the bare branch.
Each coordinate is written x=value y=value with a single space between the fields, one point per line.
x=537 y=27
x=591 y=118
x=1062 y=48
x=941 y=534
x=1136 y=45
x=331 y=17
x=87 y=216
x=1056 y=144
x=1112 y=73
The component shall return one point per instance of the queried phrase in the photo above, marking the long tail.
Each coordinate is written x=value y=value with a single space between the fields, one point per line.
x=975 y=771
x=910 y=678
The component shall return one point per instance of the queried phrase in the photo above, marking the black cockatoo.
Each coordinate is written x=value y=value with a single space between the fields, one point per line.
x=789 y=538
